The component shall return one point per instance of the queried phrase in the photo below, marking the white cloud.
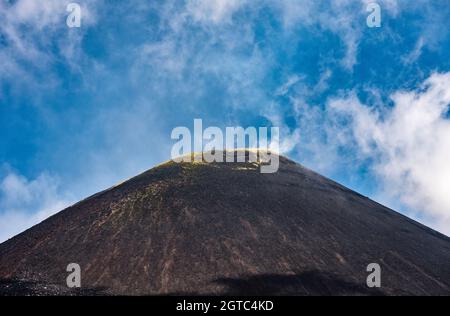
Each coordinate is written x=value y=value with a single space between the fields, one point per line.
x=215 y=11
x=410 y=145
x=340 y=17
x=288 y=138
x=24 y=203
x=412 y=56
x=390 y=6
x=30 y=30
x=290 y=82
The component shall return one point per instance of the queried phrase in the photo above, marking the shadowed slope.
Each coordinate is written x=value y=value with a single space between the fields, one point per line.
x=215 y=228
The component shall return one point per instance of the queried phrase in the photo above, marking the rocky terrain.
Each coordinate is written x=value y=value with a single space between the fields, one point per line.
x=225 y=228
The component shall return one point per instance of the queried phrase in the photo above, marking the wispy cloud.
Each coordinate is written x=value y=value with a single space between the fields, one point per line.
x=409 y=144
x=30 y=31
x=214 y=11
x=24 y=202
x=412 y=56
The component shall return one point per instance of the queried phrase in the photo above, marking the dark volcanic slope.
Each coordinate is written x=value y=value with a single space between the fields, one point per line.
x=226 y=228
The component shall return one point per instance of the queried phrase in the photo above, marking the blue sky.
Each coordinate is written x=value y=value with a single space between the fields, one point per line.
x=84 y=108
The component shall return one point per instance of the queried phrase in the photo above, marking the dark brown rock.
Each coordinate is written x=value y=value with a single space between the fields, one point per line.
x=225 y=228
